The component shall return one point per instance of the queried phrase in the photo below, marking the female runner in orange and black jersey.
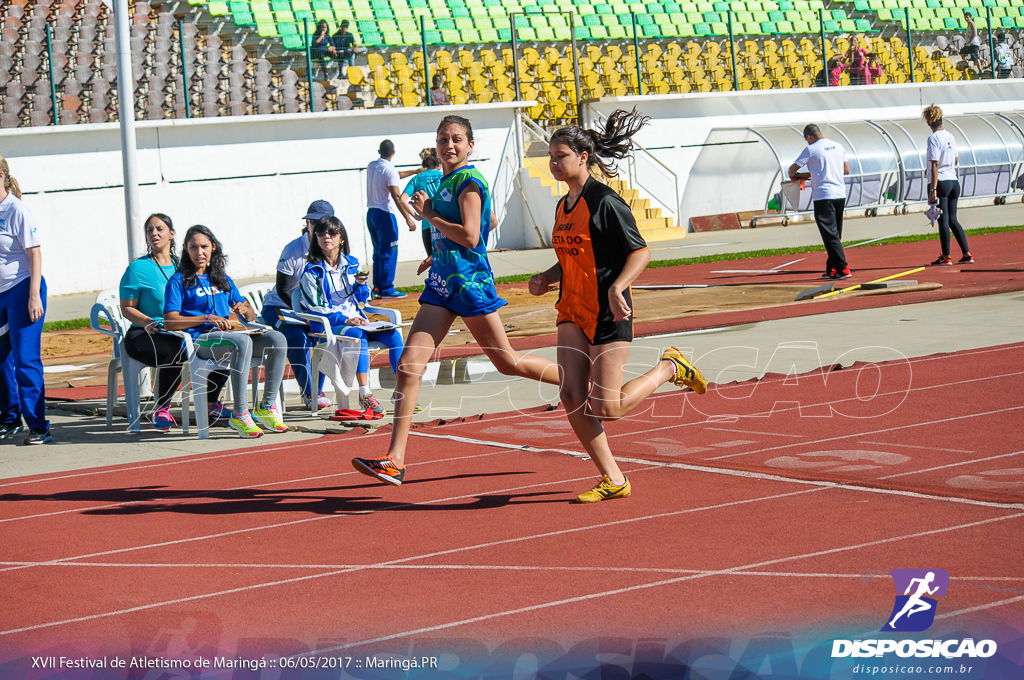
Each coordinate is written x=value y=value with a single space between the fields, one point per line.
x=600 y=253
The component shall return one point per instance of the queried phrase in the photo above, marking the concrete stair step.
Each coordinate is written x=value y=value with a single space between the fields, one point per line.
x=664 y=232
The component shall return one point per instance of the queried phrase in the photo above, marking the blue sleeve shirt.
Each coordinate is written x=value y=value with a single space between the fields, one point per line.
x=202 y=298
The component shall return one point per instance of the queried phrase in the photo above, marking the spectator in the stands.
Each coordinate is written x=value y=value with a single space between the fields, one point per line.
x=438 y=93
x=874 y=68
x=972 y=50
x=1004 y=57
x=322 y=48
x=345 y=46
x=856 y=63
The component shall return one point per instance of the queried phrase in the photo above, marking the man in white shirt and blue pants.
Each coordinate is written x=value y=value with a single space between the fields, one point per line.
x=383 y=200
x=827 y=165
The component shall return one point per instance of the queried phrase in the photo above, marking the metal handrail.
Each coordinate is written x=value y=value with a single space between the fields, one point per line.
x=639 y=148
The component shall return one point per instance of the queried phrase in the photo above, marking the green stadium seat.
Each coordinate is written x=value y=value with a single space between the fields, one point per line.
x=267 y=30
x=526 y=34
x=489 y=35
x=598 y=32
x=582 y=32
x=218 y=9
x=862 y=25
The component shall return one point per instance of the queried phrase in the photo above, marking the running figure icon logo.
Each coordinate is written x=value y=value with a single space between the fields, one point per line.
x=915 y=605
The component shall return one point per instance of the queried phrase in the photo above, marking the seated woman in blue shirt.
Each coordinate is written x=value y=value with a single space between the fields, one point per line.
x=333 y=286
x=199 y=299
x=142 y=303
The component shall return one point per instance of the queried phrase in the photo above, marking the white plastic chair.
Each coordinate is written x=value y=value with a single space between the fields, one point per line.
x=107 y=310
x=254 y=294
x=194 y=375
x=339 y=350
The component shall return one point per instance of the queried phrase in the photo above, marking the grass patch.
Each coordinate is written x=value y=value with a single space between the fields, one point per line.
x=771 y=252
x=66 y=325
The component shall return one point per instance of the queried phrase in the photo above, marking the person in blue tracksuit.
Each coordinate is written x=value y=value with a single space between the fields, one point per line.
x=333 y=286
x=22 y=308
x=289 y=270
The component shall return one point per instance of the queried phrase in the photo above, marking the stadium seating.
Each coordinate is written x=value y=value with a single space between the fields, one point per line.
x=237 y=60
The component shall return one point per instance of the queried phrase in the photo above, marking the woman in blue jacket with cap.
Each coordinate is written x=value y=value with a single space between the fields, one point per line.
x=333 y=286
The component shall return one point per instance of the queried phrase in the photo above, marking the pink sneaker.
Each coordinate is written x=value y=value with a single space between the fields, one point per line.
x=163 y=420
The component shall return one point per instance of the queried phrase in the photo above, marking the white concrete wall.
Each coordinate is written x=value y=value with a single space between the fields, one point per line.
x=682 y=123
x=249 y=179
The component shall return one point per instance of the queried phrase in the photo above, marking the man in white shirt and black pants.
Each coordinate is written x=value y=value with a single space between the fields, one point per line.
x=827 y=165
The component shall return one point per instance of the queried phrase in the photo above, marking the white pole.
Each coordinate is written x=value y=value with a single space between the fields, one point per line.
x=126 y=113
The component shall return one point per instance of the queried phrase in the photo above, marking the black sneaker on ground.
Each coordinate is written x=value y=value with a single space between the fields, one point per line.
x=37 y=437
x=966 y=259
x=10 y=429
x=943 y=260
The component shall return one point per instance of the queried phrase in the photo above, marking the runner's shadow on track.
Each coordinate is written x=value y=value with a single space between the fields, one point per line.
x=148 y=499
x=351 y=505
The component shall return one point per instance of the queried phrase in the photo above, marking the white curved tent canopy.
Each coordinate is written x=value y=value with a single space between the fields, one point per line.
x=742 y=169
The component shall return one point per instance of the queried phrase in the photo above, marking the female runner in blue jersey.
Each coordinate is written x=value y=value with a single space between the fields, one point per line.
x=460 y=285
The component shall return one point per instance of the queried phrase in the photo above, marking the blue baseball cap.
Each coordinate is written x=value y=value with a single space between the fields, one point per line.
x=318 y=209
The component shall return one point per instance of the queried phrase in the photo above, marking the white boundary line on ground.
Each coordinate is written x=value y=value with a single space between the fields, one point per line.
x=490 y=544
x=629 y=589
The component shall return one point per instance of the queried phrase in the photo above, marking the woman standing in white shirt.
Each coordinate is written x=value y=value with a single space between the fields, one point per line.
x=22 y=306
x=944 y=186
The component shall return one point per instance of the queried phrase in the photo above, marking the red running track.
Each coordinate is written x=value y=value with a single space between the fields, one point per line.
x=771 y=521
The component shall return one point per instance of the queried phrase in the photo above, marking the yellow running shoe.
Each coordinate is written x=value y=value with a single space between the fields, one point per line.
x=687 y=374
x=269 y=418
x=604 y=491
x=243 y=425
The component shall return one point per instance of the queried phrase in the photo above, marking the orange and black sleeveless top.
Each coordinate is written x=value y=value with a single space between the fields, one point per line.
x=592 y=240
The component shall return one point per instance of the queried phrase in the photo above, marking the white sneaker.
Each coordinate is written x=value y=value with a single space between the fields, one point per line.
x=323 y=402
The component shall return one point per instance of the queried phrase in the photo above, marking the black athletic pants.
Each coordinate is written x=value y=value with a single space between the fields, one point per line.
x=948 y=191
x=828 y=215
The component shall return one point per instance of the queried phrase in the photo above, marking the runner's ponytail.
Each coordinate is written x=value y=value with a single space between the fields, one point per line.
x=10 y=184
x=606 y=146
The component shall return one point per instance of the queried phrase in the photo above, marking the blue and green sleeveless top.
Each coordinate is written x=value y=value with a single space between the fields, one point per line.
x=460 y=278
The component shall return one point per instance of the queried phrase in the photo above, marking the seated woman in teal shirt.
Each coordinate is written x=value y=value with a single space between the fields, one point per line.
x=142 y=303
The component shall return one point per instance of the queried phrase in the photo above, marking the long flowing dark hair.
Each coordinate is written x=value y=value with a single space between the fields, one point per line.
x=316 y=253
x=604 y=147
x=170 y=226
x=216 y=270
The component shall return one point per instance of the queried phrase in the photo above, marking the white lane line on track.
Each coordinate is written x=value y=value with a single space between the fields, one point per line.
x=489 y=544
x=967 y=580
x=766 y=434
x=248 y=487
x=550 y=534
x=816 y=487
x=916 y=446
x=681 y=579
x=895 y=428
x=953 y=465
x=269 y=485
